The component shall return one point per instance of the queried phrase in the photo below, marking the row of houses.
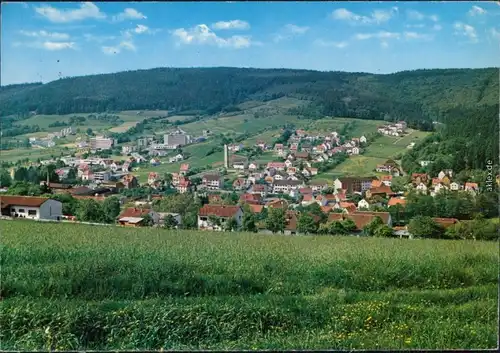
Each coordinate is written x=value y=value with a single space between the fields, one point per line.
x=396 y=129
x=425 y=184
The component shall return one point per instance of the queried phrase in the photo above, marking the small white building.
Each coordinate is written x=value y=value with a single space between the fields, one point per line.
x=31 y=207
x=422 y=188
x=363 y=204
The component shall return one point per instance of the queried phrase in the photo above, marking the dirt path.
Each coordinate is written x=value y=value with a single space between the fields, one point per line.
x=399 y=139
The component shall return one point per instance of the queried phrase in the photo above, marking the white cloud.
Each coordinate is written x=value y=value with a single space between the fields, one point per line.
x=58 y=45
x=415 y=35
x=234 y=24
x=202 y=35
x=377 y=16
x=23 y=4
x=47 y=45
x=291 y=28
x=495 y=33
x=325 y=43
x=415 y=15
x=465 y=30
x=384 y=44
x=45 y=34
x=141 y=29
x=419 y=25
x=476 y=11
x=129 y=14
x=110 y=50
x=378 y=35
x=437 y=27
x=128 y=45
x=288 y=32
x=99 y=39
x=418 y=16
x=87 y=10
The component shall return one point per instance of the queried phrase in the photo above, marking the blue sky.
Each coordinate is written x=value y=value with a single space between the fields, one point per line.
x=45 y=41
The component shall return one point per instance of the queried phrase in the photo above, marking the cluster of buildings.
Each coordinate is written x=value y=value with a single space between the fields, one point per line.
x=47 y=142
x=425 y=184
x=396 y=129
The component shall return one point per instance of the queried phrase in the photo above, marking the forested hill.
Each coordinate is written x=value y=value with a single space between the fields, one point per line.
x=409 y=95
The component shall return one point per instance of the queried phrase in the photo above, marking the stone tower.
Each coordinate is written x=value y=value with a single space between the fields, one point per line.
x=226 y=160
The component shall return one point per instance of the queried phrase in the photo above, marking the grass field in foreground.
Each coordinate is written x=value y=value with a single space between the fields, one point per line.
x=68 y=286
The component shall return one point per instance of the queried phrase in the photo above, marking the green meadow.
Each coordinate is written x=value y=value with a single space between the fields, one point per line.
x=70 y=286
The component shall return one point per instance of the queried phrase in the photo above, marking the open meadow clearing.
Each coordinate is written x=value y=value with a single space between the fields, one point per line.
x=379 y=151
x=31 y=153
x=70 y=286
x=124 y=127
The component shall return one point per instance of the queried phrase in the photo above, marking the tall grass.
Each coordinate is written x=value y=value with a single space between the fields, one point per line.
x=114 y=288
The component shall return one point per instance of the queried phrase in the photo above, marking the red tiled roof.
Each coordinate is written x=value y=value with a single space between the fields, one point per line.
x=386 y=177
x=152 y=175
x=184 y=167
x=256 y=208
x=134 y=212
x=361 y=219
x=416 y=175
x=307 y=197
x=326 y=209
x=349 y=206
x=277 y=203
x=212 y=177
x=305 y=191
x=219 y=210
x=276 y=165
x=28 y=201
x=335 y=217
x=471 y=185
x=396 y=201
x=384 y=189
x=376 y=183
x=435 y=181
x=250 y=197
x=446 y=222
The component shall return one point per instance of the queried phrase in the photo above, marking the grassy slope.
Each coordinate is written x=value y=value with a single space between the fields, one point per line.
x=115 y=288
x=378 y=152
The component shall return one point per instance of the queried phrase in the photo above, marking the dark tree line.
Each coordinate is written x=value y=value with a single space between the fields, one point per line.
x=414 y=96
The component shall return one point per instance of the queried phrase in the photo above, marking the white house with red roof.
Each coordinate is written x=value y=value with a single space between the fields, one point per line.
x=184 y=185
x=30 y=207
x=153 y=177
x=276 y=165
x=184 y=169
x=222 y=212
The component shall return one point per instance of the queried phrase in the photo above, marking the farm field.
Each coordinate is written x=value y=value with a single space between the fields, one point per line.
x=45 y=120
x=70 y=286
x=124 y=127
x=32 y=153
x=143 y=113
